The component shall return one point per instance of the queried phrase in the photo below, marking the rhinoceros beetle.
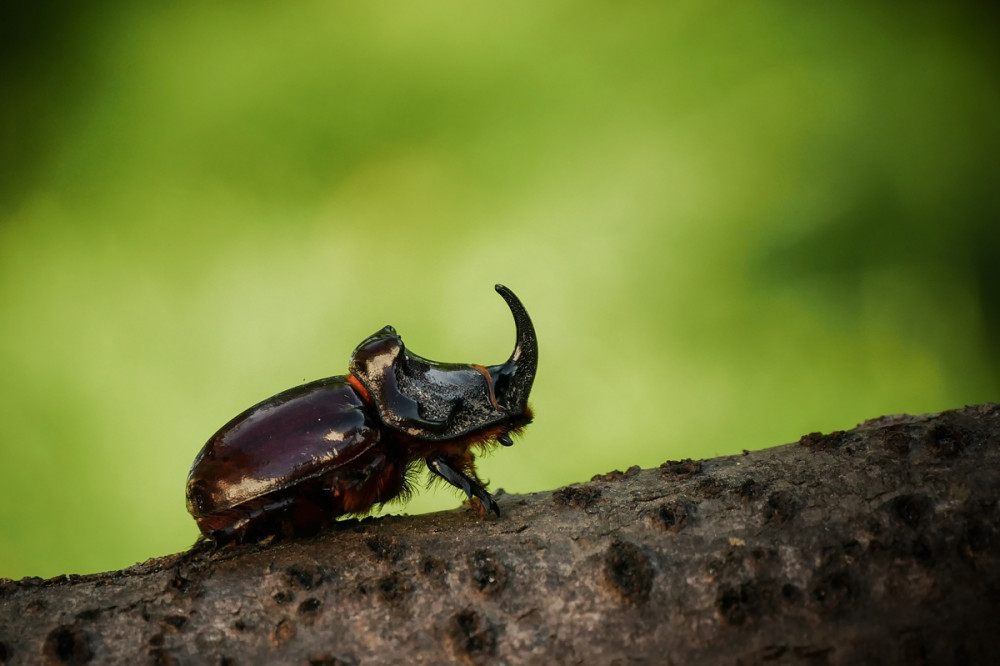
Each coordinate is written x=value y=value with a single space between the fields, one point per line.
x=293 y=463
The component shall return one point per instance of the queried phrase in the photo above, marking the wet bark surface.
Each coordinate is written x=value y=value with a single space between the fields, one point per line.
x=876 y=545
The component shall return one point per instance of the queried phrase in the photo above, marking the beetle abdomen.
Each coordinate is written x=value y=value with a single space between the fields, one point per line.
x=308 y=506
x=291 y=439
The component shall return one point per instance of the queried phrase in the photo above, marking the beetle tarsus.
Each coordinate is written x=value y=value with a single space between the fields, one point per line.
x=455 y=477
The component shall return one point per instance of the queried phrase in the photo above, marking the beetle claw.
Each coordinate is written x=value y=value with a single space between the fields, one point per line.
x=491 y=504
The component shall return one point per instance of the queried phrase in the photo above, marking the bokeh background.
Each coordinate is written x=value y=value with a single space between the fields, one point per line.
x=733 y=224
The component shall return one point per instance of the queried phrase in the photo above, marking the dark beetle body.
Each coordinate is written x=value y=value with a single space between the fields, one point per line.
x=296 y=461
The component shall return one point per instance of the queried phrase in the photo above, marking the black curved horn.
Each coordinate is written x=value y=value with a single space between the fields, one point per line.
x=512 y=380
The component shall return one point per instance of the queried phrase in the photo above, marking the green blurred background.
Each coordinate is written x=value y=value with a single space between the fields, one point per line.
x=732 y=224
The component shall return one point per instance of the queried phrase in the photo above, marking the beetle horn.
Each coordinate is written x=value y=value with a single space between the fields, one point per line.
x=512 y=380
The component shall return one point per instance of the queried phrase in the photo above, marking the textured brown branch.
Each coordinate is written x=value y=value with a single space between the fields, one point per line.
x=877 y=545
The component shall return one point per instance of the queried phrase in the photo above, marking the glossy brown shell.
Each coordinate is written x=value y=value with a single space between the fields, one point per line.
x=289 y=439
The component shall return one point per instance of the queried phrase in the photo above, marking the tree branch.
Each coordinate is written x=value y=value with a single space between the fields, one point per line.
x=877 y=545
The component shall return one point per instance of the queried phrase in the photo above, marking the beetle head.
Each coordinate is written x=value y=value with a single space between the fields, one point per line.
x=439 y=401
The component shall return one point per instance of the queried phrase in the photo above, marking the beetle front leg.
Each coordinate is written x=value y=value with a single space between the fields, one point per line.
x=445 y=469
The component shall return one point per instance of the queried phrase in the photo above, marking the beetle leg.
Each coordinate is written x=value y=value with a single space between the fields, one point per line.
x=248 y=520
x=440 y=466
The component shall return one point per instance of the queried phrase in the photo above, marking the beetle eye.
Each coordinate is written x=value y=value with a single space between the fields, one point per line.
x=390 y=330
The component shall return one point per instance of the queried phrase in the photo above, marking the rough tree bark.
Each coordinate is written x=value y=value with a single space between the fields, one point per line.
x=877 y=545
